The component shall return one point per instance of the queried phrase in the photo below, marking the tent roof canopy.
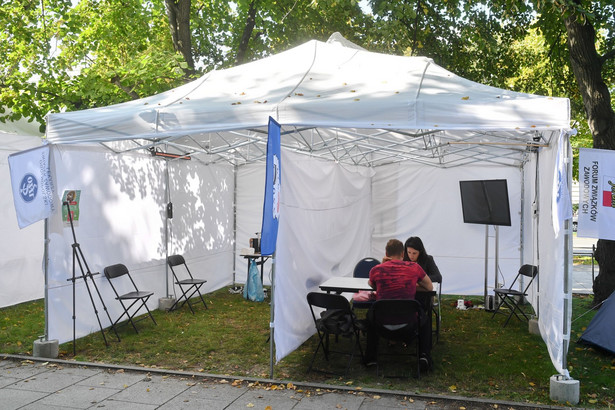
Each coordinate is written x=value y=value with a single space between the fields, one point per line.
x=334 y=100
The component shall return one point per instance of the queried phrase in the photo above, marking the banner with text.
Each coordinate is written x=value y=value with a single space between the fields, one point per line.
x=596 y=194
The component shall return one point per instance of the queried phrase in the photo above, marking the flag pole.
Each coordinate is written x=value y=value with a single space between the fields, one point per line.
x=272 y=315
x=271 y=209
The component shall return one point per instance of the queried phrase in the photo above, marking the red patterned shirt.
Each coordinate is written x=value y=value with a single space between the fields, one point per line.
x=396 y=279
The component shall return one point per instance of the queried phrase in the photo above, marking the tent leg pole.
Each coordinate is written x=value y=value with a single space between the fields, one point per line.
x=486 y=263
x=497 y=253
x=46 y=269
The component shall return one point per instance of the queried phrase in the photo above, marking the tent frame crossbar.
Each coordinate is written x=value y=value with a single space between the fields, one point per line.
x=368 y=147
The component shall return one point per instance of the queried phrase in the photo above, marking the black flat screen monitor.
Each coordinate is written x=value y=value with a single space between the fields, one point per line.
x=485 y=202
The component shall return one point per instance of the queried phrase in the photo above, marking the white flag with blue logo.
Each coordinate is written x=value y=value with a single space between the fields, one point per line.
x=32 y=185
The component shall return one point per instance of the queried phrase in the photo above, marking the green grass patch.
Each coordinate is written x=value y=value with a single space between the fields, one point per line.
x=475 y=356
x=583 y=260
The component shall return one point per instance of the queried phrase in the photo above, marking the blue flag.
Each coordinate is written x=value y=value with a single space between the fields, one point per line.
x=271 y=207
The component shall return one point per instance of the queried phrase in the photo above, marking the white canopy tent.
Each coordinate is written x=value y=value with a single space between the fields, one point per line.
x=374 y=147
x=21 y=253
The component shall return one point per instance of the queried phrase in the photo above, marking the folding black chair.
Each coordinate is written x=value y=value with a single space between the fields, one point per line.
x=191 y=284
x=361 y=270
x=397 y=320
x=112 y=273
x=512 y=298
x=338 y=319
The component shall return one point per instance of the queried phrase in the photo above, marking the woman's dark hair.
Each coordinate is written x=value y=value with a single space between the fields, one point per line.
x=415 y=242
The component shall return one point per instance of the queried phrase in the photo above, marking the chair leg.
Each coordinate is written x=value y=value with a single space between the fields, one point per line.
x=181 y=301
x=130 y=317
x=320 y=344
x=196 y=290
x=437 y=331
x=185 y=298
x=127 y=313
x=149 y=312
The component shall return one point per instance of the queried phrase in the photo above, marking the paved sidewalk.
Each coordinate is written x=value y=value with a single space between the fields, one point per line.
x=30 y=383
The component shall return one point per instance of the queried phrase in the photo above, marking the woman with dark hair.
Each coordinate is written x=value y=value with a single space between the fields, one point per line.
x=414 y=251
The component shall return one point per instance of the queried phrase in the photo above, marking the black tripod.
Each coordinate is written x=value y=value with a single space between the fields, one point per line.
x=85 y=275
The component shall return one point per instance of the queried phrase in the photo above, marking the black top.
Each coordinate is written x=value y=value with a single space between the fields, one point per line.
x=431 y=269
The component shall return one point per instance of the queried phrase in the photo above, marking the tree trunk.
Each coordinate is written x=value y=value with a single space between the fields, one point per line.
x=247 y=33
x=587 y=67
x=605 y=281
x=178 y=12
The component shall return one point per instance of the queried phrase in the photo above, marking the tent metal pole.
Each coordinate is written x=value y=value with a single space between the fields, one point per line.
x=272 y=315
x=46 y=271
x=497 y=256
x=166 y=226
x=522 y=219
x=486 y=264
x=235 y=170
x=567 y=255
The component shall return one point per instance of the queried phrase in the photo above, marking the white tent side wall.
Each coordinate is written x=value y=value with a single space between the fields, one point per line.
x=21 y=255
x=203 y=221
x=324 y=230
x=552 y=297
x=415 y=200
x=249 y=205
x=122 y=220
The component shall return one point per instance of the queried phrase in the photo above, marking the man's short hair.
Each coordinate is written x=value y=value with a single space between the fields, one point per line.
x=394 y=248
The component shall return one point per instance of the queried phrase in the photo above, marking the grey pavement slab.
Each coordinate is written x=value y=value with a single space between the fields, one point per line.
x=15 y=399
x=113 y=379
x=153 y=390
x=77 y=397
x=330 y=400
x=6 y=381
x=48 y=382
x=111 y=404
x=261 y=399
x=23 y=369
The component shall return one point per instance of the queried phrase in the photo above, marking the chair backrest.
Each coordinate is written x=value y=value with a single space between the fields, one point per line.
x=362 y=268
x=396 y=312
x=115 y=271
x=529 y=271
x=337 y=319
x=175 y=260
x=328 y=301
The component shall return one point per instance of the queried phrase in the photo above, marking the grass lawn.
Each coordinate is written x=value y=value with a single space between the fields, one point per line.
x=474 y=357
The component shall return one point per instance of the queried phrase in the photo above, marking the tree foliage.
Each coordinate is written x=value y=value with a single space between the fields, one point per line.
x=99 y=52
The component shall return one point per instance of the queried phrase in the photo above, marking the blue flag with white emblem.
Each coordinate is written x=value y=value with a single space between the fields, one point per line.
x=32 y=185
x=271 y=207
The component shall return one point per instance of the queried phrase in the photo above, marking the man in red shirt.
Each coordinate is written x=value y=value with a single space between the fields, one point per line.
x=399 y=279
